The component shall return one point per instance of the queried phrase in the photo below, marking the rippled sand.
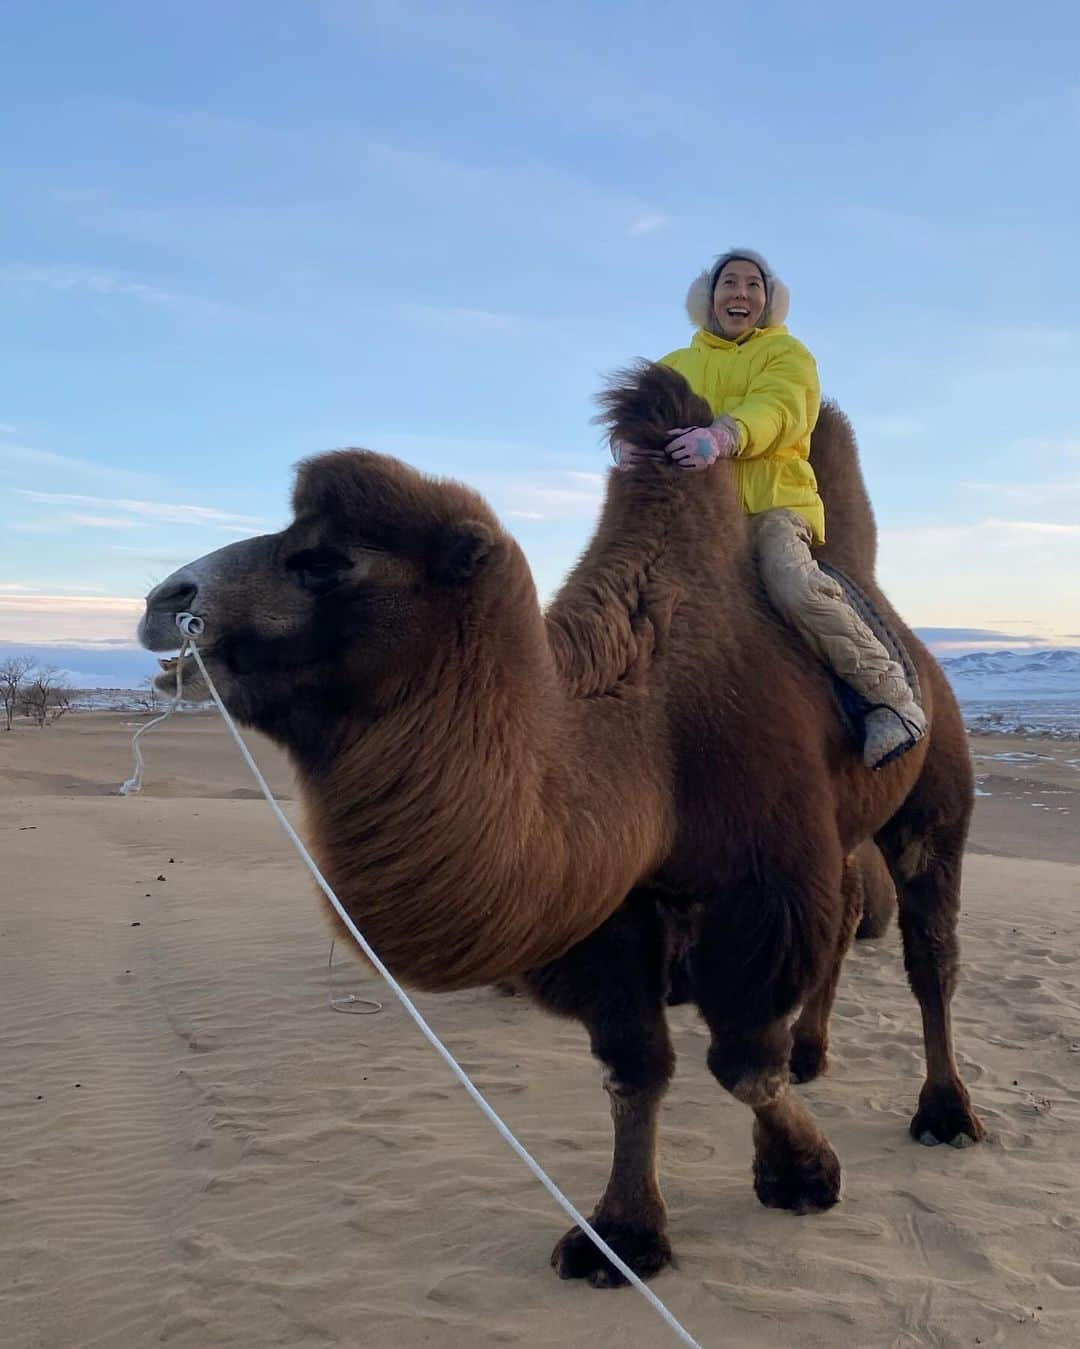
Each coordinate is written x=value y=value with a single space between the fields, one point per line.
x=199 y=1152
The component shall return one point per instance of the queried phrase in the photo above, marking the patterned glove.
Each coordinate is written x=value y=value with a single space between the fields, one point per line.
x=696 y=447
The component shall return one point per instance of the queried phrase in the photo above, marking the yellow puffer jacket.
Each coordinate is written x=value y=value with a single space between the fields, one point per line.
x=768 y=384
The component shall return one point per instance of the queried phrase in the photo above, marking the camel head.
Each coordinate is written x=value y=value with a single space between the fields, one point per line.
x=366 y=592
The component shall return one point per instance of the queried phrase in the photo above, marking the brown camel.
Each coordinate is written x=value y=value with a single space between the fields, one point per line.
x=649 y=783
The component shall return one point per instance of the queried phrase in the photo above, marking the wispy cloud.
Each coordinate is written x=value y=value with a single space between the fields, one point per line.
x=983 y=570
x=1060 y=497
x=647 y=223
x=551 y=199
x=85 y=282
x=72 y=277
x=465 y=322
x=1023 y=527
x=18 y=589
x=160 y=512
x=529 y=52
x=579 y=499
x=975 y=635
x=1048 y=447
x=959 y=641
x=892 y=426
x=52 y=619
x=24 y=461
x=155 y=557
x=101 y=521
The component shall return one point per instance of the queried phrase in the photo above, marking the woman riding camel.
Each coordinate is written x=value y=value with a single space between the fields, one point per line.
x=762 y=385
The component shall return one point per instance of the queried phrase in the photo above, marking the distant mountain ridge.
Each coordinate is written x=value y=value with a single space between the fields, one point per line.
x=1052 y=661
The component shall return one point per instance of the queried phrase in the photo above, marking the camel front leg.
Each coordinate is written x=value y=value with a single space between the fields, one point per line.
x=765 y=946
x=615 y=982
x=794 y=1166
x=631 y=1215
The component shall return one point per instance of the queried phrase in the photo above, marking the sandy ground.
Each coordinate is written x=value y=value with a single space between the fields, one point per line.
x=199 y=1151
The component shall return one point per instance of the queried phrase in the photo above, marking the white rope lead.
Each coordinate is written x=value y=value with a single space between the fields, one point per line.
x=134 y=783
x=192 y=629
x=348 y=1002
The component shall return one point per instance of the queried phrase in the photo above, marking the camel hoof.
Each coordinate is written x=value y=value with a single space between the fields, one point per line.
x=576 y=1257
x=809 y=1060
x=945 y=1116
x=808 y=1185
x=959 y=1141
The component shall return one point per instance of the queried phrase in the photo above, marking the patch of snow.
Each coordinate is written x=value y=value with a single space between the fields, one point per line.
x=1014 y=756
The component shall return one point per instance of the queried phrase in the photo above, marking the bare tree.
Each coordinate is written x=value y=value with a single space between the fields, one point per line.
x=147 y=698
x=43 y=696
x=13 y=672
x=62 y=701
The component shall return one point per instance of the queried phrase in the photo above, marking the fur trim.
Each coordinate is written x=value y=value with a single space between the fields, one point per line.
x=699 y=296
x=698 y=300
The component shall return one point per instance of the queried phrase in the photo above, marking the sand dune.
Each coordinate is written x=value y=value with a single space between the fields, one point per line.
x=199 y=1151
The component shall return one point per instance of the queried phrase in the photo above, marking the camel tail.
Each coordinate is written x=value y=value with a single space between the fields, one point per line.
x=850 y=531
x=644 y=401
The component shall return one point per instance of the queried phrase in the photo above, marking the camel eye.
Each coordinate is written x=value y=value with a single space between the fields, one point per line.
x=318 y=569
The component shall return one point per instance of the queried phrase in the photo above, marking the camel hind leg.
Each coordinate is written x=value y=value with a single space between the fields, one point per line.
x=878 y=893
x=810 y=1048
x=615 y=982
x=923 y=846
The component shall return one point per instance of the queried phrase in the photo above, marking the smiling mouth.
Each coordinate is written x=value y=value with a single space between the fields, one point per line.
x=738 y=313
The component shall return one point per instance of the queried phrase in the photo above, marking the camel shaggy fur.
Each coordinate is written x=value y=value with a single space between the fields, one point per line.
x=646 y=786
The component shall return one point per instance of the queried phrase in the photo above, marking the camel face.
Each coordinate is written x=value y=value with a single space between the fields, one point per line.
x=364 y=583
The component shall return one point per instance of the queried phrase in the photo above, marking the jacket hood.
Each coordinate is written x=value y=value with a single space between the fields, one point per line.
x=699 y=296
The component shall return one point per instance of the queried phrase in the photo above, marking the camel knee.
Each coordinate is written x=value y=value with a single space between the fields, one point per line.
x=755 y=1072
x=761 y=1088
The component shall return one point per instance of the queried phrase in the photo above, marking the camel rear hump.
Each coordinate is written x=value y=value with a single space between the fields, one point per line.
x=850 y=530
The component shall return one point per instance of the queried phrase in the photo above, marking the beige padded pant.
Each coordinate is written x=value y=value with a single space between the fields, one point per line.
x=816 y=607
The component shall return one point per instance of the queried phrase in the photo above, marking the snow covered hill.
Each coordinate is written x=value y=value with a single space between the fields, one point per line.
x=1031 y=691
x=1063 y=661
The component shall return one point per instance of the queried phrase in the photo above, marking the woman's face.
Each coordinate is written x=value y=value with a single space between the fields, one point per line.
x=738 y=298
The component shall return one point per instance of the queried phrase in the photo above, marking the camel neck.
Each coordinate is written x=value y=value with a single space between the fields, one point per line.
x=464 y=832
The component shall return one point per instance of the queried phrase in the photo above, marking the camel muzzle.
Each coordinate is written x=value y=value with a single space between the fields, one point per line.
x=198 y=589
x=178 y=594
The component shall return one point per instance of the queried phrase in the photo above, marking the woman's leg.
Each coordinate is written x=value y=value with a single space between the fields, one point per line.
x=814 y=604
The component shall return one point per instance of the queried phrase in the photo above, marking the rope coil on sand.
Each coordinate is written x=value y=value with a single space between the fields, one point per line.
x=191 y=626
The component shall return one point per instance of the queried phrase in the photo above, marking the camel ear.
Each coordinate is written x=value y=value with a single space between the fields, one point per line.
x=460 y=552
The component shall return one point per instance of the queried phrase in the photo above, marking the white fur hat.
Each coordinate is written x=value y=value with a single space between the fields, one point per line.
x=699 y=297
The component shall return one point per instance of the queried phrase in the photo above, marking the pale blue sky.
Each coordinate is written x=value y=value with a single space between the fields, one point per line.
x=232 y=235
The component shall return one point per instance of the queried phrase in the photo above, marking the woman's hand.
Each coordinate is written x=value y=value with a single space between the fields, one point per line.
x=697 y=447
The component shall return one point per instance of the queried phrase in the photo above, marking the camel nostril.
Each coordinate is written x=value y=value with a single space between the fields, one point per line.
x=175 y=595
